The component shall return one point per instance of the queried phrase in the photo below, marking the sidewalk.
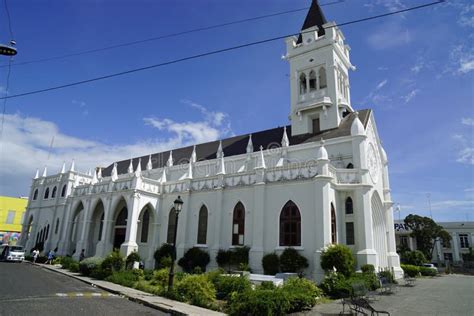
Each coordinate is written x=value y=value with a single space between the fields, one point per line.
x=147 y=299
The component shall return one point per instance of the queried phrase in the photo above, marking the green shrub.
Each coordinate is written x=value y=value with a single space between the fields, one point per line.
x=240 y=255
x=87 y=265
x=410 y=270
x=259 y=302
x=302 y=293
x=368 y=268
x=112 y=263
x=267 y=285
x=194 y=257
x=388 y=275
x=368 y=279
x=66 y=261
x=131 y=259
x=214 y=275
x=292 y=261
x=340 y=257
x=223 y=258
x=196 y=290
x=271 y=264
x=74 y=266
x=126 y=278
x=416 y=258
x=160 y=277
x=226 y=285
x=148 y=275
x=163 y=256
x=335 y=285
x=41 y=259
x=152 y=289
x=428 y=271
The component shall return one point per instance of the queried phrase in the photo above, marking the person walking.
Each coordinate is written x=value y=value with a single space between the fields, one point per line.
x=82 y=256
x=35 y=255
x=50 y=257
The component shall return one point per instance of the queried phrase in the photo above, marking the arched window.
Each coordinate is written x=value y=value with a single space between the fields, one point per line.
x=171 y=226
x=202 y=226
x=322 y=78
x=145 y=224
x=333 y=225
x=290 y=225
x=238 y=225
x=350 y=166
x=312 y=80
x=37 y=238
x=349 y=206
x=122 y=217
x=35 y=195
x=101 y=226
x=53 y=194
x=57 y=227
x=302 y=83
x=47 y=232
x=46 y=193
x=63 y=191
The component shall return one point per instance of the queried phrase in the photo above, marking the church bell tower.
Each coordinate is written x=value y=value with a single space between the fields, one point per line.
x=319 y=72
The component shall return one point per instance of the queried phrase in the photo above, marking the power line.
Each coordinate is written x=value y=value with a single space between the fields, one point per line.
x=175 y=61
x=205 y=28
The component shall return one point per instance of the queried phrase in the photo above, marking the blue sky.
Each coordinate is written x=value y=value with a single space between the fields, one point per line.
x=414 y=70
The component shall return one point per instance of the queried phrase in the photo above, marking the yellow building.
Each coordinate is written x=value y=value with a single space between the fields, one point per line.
x=12 y=212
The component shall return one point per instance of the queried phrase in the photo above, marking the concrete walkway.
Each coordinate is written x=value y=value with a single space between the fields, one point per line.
x=147 y=299
x=444 y=295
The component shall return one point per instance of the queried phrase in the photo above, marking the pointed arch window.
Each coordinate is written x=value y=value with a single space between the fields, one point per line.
x=101 y=226
x=290 y=225
x=312 y=80
x=145 y=224
x=350 y=166
x=53 y=194
x=238 y=225
x=35 y=195
x=322 y=78
x=302 y=83
x=46 y=193
x=171 y=226
x=63 y=191
x=333 y=225
x=202 y=226
x=349 y=206
x=47 y=232
x=57 y=226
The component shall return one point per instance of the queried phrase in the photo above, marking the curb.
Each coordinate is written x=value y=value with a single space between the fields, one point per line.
x=170 y=309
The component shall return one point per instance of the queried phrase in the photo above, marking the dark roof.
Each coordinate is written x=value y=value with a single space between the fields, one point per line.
x=315 y=17
x=237 y=145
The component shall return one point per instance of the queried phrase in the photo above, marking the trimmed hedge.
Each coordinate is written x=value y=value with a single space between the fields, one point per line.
x=292 y=261
x=88 y=265
x=425 y=271
x=194 y=258
x=131 y=259
x=340 y=257
x=271 y=264
x=410 y=270
x=163 y=256
x=367 y=268
x=114 y=262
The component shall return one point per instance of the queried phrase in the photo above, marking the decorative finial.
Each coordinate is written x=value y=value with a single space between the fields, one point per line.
x=285 y=142
x=219 y=150
x=261 y=160
x=73 y=165
x=193 y=155
x=250 y=145
x=149 y=165
x=99 y=173
x=63 y=168
x=37 y=174
x=163 y=176
x=45 y=172
x=138 y=171
x=114 y=174
x=130 y=166
x=169 y=163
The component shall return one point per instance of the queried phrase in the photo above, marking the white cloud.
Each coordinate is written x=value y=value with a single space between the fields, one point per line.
x=391 y=5
x=461 y=59
x=381 y=84
x=407 y=98
x=382 y=68
x=466 y=12
x=26 y=141
x=82 y=106
x=447 y=204
x=389 y=35
x=469 y=121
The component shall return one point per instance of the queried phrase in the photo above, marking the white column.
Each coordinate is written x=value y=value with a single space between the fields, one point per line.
x=456 y=256
x=183 y=239
x=102 y=248
x=130 y=245
x=216 y=224
x=256 y=251
x=392 y=255
x=81 y=243
x=364 y=228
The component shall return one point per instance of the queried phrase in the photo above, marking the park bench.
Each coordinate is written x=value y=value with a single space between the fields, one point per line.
x=387 y=287
x=361 y=305
x=359 y=290
x=409 y=281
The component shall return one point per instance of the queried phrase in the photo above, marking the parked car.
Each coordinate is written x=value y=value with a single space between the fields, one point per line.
x=12 y=253
x=431 y=266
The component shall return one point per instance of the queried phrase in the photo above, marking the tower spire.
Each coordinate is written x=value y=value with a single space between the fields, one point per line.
x=315 y=17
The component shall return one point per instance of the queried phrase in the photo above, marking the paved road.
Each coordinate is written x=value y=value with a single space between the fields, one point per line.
x=446 y=295
x=30 y=290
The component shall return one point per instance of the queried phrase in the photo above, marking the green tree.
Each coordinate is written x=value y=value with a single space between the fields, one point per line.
x=426 y=232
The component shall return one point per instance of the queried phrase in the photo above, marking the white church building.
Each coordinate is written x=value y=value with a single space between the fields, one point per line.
x=321 y=180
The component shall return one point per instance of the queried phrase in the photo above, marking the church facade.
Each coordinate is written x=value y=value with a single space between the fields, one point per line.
x=321 y=180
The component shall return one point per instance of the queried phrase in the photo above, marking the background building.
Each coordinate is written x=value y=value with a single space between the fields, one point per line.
x=462 y=234
x=12 y=212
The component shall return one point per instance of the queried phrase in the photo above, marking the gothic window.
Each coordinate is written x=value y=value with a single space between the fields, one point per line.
x=145 y=224
x=101 y=226
x=312 y=81
x=202 y=226
x=47 y=232
x=333 y=225
x=464 y=240
x=290 y=225
x=171 y=226
x=350 y=240
x=302 y=83
x=46 y=193
x=349 y=206
x=35 y=194
x=122 y=217
x=53 y=194
x=322 y=78
x=238 y=225
x=63 y=191
x=57 y=226
x=350 y=166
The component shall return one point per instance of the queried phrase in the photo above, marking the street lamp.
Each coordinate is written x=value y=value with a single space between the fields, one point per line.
x=178 y=205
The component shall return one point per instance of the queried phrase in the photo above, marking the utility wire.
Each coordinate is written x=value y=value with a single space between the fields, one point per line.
x=175 y=61
x=205 y=28
x=9 y=20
